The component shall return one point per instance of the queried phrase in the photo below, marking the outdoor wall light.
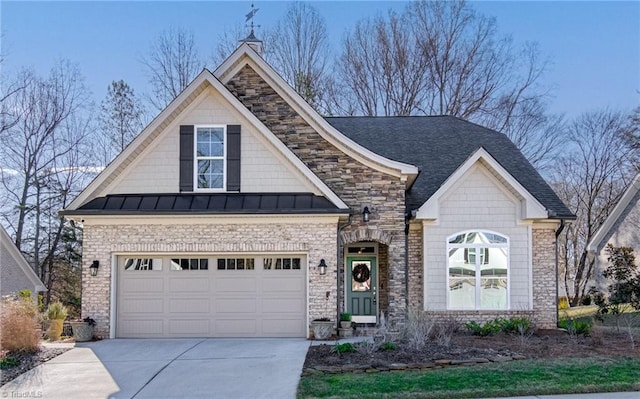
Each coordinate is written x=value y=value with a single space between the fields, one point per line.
x=365 y=214
x=94 y=268
x=322 y=267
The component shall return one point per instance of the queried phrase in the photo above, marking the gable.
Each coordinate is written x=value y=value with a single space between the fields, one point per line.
x=528 y=206
x=15 y=271
x=157 y=168
x=622 y=226
x=276 y=164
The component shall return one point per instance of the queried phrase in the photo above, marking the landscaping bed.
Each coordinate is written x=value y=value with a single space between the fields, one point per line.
x=25 y=361
x=466 y=348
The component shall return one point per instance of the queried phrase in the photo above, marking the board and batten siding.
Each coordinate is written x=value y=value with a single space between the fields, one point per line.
x=262 y=169
x=477 y=202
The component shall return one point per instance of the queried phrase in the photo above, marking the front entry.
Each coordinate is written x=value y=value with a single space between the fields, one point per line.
x=362 y=285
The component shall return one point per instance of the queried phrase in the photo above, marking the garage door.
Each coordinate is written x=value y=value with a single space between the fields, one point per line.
x=211 y=296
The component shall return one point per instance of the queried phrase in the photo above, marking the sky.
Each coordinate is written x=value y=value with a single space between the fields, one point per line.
x=594 y=47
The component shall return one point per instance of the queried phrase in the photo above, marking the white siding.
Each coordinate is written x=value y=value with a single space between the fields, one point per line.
x=263 y=169
x=477 y=202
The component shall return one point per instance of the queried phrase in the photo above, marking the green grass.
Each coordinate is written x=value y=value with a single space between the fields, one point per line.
x=578 y=312
x=528 y=377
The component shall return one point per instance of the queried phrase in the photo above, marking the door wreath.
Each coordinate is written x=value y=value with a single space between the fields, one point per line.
x=361 y=273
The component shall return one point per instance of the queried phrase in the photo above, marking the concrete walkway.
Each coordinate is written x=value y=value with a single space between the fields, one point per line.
x=168 y=368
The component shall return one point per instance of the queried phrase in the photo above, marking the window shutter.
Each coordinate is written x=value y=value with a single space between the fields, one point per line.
x=233 y=158
x=186 y=158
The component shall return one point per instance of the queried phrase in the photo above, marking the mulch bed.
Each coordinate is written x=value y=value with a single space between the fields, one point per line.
x=28 y=361
x=469 y=349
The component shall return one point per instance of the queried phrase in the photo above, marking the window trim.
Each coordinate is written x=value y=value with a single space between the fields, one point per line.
x=196 y=158
x=478 y=277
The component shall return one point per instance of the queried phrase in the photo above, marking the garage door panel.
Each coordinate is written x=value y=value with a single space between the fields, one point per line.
x=143 y=305
x=191 y=327
x=236 y=284
x=143 y=285
x=283 y=284
x=179 y=284
x=210 y=303
x=189 y=305
x=236 y=327
x=236 y=306
x=141 y=328
x=283 y=327
x=295 y=306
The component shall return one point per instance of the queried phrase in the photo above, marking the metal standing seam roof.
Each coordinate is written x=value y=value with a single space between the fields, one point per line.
x=227 y=203
x=438 y=145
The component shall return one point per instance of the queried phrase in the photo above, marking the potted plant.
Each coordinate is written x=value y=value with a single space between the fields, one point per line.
x=345 y=320
x=322 y=328
x=55 y=314
x=83 y=329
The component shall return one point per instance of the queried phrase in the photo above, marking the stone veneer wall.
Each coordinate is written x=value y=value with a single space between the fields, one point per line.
x=318 y=240
x=355 y=183
x=544 y=277
x=416 y=291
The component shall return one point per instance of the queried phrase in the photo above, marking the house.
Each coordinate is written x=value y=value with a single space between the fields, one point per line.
x=15 y=273
x=620 y=229
x=241 y=212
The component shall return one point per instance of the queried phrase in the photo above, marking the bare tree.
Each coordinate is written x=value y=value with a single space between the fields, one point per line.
x=590 y=179
x=299 y=49
x=443 y=58
x=172 y=62
x=227 y=42
x=120 y=117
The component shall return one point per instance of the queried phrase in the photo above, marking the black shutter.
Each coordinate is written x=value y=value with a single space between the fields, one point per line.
x=186 y=158
x=233 y=158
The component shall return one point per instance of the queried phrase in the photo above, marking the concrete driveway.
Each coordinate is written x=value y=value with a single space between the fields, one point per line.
x=168 y=368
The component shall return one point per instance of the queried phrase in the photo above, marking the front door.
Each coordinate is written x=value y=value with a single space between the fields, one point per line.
x=362 y=285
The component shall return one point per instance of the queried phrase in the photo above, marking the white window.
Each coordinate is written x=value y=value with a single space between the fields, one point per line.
x=210 y=157
x=478 y=264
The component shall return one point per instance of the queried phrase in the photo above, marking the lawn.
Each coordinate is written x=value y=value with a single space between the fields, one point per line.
x=527 y=377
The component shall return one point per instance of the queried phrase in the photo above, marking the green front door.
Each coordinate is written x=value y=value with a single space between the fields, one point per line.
x=362 y=285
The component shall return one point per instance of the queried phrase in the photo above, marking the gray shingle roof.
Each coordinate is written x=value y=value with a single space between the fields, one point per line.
x=438 y=145
x=233 y=203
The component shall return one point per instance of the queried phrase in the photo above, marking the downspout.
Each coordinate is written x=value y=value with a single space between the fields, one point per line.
x=406 y=265
x=558 y=232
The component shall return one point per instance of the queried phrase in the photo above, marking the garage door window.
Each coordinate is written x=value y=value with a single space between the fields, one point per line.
x=281 y=263
x=189 y=264
x=142 y=264
x=236 y=264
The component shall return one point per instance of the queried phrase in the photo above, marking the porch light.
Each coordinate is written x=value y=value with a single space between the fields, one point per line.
x=93 y=269
x=322 y=267
x=365 y=214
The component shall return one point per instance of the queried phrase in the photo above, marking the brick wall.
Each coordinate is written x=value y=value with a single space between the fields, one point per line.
x=356 y=184
x=101 y=241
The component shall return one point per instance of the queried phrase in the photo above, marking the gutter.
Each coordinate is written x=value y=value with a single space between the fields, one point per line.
x=338 y=291
x=407 y=218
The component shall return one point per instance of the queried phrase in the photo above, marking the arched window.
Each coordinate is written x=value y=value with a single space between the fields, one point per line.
x=478 y=266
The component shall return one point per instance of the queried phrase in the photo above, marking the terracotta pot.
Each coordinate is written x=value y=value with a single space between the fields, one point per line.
x=55 y=330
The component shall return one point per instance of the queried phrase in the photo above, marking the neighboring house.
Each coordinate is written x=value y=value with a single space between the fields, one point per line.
x=620 y=229
x=215 y=221
x=15 y=273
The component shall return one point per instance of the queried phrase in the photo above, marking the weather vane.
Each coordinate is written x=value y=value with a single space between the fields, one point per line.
x=250 y=16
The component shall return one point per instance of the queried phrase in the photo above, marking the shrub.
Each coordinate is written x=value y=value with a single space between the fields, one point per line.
x=417 y=330
x=563 y=303
x=585 y=300
x=56 y=311
x=491 y=327
x=24 y=294
x=388 y=346
x=8 y=362
x=576 y=327
x=19 y=326
x=345 y=316
x=515 y=325
x=344 y=348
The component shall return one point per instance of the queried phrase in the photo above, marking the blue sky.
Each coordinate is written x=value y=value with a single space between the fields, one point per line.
x=594 y=46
